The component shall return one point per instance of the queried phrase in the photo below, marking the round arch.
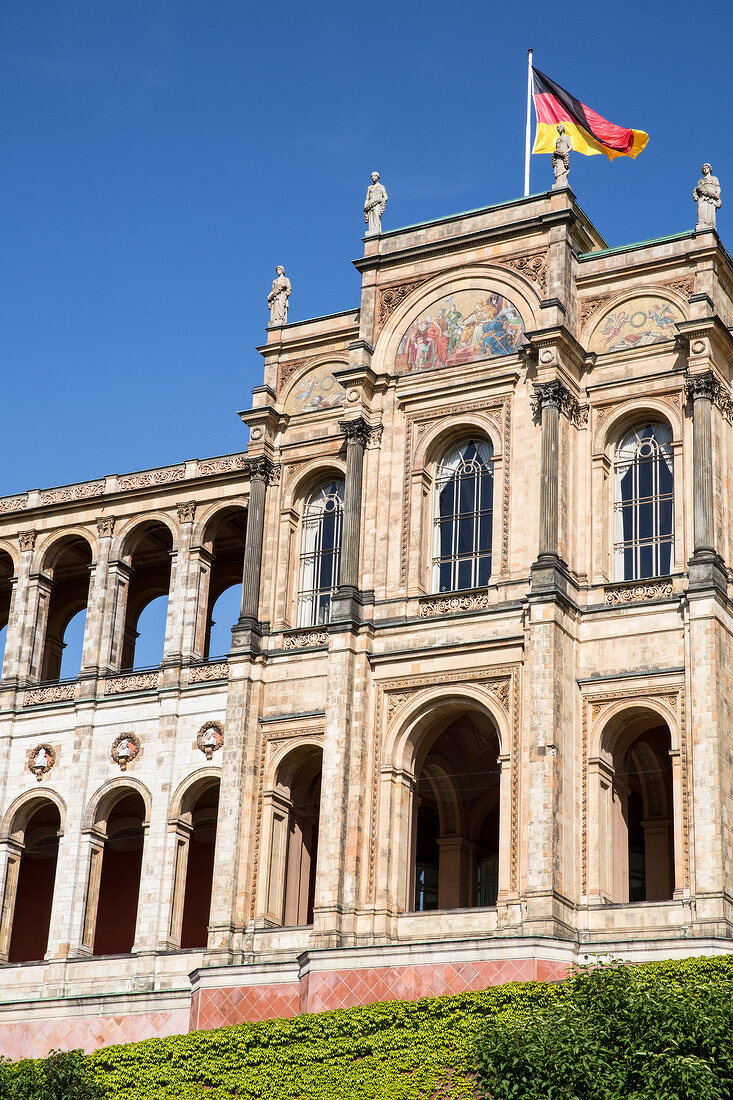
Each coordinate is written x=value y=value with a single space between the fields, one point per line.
x=135 y=528
x=107 y=796
x=493 y=279
x=626 y=415
x=20 y=811
x=618 y=723
x=189 y=790
x=440 y=437
x=595 y=320
x=6 y=547
x=211 y=517
x=52 y=547
x=308 y=476
x=325 y=359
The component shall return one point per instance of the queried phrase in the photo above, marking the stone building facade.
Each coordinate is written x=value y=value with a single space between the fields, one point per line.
x=475 y=721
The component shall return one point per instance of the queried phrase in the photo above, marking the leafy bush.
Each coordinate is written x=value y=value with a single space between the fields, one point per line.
x=616 y=1031
x=60 y=1076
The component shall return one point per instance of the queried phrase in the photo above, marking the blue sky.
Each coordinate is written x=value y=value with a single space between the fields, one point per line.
x=160 y=157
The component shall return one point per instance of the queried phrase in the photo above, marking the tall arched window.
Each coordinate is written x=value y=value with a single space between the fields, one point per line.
x=463 y=517
x=644 y=504
x=320 y=553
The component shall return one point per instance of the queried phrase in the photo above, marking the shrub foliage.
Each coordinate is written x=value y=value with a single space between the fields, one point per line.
x=660 y=1030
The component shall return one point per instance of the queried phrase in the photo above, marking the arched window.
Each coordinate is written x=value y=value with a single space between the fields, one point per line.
x=463 y=518
x=320 y=553
x=644 y=504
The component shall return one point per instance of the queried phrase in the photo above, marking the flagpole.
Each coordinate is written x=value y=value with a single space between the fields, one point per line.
x=528 y=138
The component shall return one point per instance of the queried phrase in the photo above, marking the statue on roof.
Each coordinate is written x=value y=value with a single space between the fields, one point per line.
x=707 y=196
x=277 y=299
x=561 y=158
x=374 y=204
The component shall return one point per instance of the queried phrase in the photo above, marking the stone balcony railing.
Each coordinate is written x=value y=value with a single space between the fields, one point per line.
x=122 y=683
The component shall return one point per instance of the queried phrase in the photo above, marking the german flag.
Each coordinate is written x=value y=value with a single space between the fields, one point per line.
x=589 y=132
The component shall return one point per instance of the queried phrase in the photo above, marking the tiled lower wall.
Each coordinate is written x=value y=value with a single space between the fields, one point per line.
x=34 y=1038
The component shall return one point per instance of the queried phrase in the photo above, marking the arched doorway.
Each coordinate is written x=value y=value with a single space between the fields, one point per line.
x=294 y=809
x=195 y=828
x=114 y=874
x=636 y=838
x=455 y=816
x=31 y=878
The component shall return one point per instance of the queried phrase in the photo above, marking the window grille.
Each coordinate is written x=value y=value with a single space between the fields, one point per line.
x=320 y=553
x=463 y=518
x=644 y=504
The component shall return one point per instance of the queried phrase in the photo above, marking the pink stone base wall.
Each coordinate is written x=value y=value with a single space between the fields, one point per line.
x=34 y=1038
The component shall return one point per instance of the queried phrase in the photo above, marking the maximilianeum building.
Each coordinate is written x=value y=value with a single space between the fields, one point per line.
x=475 y=721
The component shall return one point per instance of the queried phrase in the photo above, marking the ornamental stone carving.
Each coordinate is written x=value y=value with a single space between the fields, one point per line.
x=306 y=639
x=40 y=760
x=638 y=593
x=155 y=477
x=27 y=540
x=452 y=605
x=707 y=387
x=105 y=526
x=262 y=469
x=357 y=431
x=391 y=296
x=200 y=674
x=73 y=492
x=141 y=681
x=210 y=738
x=220 y=466
x=186 y=510
x=124 y=750
x=532 y=266
x=13 y=504
x=556 y=395
x=58 y=693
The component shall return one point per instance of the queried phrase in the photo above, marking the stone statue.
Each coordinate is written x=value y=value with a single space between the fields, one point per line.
x=707 y=196
x=561 y=158
x=124 y=752
x=374 y=204
x=277 y=299
x=41 y=760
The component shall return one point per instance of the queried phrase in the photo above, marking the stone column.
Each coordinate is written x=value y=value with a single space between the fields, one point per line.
x=15 y=668
x=549 y=397
x=706 y=568
x=348 y=597
x=98 y=586
x=261 y=472
x=178 y=588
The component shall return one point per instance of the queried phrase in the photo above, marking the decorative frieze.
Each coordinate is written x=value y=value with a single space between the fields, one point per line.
x=306 y=639
x=453 y=605
x=56 y=693
x=138 y=681
x=13 y=504
x=73 y=492
x=154 y=477
x=220 y=465
x=638 y=593
x=201 y=674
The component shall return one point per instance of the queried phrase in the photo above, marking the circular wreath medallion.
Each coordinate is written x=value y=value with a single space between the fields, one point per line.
x=210 y=738
x=124 y=749
x=40 y=760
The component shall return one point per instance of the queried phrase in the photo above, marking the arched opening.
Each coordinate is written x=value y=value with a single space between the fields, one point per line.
x=320 y=553
x=67 y=604
x=463 y=517
x=295 y=805
x=147 y=598
x=196 y=830
x=643 y=469
x=637 y=826
x=34 y=885
x=6 y=594
x=119 y=881
x=224 y=540
x=456 y=816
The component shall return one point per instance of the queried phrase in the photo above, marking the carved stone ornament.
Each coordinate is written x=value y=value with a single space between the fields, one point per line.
x=56 y=693
x=452 y=605
x=124 y=749
x=556 y=395
x=138 y=681
x=287 y=370
x=155 y=477
x=262 y=469
x=13 y=504
x=391 y=296
x=73 y=492
x=210 y=738
x=637 y=593
x=27 y=540
x=706 y=386
x=186 y=510
x=105 y=526
x=305 y=639
x=357 y=432
x=220 y=466
x=533 y=266
x=200 y=674
x=40 y=760
x=588 y=306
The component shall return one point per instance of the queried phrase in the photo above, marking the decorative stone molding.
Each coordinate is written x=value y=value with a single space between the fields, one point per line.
x=452 y=605
x=685 y=287
x=220 y=466
x=707 y=386
x=588 y=306
x=27 y=540
x=73 y=492
x=391 y=296
x=374 y=441
x=155 y=477
x=13 y=504
x=57 y=693
x=356 y=431
x=105 y=526
x=139 y=681
x=186 y=511
x=210 y=738
x=533 y=266
x=124 y=750
x=40 y=760
x=199 y=674
x=305 y=639
x=637 y=593
x=262 y=469
x=555 y=394
x=287 y=370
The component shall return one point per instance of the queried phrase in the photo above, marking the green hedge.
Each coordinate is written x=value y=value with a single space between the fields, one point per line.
x=391 y=1051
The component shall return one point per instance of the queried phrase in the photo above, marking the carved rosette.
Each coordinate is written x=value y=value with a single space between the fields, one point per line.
x=105 y=526
x=637 y=593
x=40 y=760
x=124 y=750
x=306 y=639
x=556 y=395
x=210 y=738
x=262 y=469
x=27 y=540
x=186 y=511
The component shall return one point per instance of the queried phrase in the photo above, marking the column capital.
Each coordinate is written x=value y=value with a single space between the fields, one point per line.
x=704 y=385
x=186 y=510
x=556 y=395
x=27 y=540
x=262 y=468
x=105 y=526
x=357 y=431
